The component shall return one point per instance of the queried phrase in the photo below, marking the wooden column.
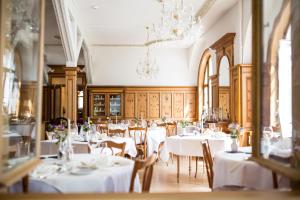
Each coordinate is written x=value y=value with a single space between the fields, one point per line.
x=71 y=93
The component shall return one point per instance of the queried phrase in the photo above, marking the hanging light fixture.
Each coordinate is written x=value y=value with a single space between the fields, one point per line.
x=147 y=67
x=177 y=22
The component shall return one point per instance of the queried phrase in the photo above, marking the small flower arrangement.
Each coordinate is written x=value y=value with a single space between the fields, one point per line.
x=136 y=121
x=184 y=123
x=87 y=126
x=60 y=133
x=234 y=130
x=164 y=119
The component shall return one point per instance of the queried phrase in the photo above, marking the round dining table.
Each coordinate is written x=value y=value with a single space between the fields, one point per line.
x=190 y=145
x=51 y=147
x=235 y=169
x=85 y=173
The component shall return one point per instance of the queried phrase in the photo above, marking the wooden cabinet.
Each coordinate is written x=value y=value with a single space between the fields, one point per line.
x=157 y=102
x=146 y=102
x=241 y=95
x=104 y=102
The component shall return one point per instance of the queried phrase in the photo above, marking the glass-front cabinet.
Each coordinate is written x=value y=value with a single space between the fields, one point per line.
x=276 y=51
x=105 y=105
x=98 y=105
x=115 y=104
x=21 y=61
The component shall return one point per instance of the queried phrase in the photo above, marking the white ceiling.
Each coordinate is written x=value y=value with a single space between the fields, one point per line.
x=120 y=22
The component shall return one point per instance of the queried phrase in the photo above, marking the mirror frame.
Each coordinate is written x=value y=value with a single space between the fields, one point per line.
x=22 y=170
x=293 y=172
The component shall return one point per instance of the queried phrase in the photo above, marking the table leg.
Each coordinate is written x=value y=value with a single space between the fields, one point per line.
x=178 y=168
x=196 y=167
x=190 y=169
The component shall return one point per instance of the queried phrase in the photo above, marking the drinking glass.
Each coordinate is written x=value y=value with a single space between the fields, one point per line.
x=93 y=143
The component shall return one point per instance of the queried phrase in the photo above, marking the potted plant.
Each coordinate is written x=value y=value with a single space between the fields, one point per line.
x=86 y=128
x=183 y=124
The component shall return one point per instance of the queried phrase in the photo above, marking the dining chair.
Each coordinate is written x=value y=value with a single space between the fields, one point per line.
x=139 y=135
x=119 y=132
x=147 y=166
x=245 y=139
x=102 y=128
x=171 y=128
x=199 y=158
x=113 y=146
x=207 y=159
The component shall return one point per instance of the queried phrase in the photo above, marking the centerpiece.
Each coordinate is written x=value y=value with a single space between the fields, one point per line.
x=234 y=135
x=86 y=128
x=183 y=124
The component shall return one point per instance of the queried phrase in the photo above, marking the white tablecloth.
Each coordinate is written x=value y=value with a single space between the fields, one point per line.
x=232 y=169
x=154 y=137
x=49 y=147
x=191 y=145
x=113 y=174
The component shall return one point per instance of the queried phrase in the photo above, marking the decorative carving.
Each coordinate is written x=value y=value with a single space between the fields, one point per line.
x=178 y=105
x=129 y=105
x=166 y=101
x=154 y=99
x=190 y=105
x=142 y=105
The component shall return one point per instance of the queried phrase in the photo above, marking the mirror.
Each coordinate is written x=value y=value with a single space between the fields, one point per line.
x=224 y=87
x=20 y=111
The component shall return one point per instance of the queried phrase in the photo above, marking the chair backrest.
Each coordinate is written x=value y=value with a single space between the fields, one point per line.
x=245 y=139
x=171 y=128
x=102 y=128
x=147 y=165
x=138 y=132
x=61 y=121
x=207 y=159
x=111 y=145
x=120 y=132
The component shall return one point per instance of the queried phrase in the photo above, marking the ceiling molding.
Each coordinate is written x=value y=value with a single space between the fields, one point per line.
x=205 y=8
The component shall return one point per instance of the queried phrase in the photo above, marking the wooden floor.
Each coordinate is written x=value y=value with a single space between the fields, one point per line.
x=164 y=177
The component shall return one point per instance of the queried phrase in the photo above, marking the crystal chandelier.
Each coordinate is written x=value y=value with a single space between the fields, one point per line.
x=177 y=22
x=147 y=68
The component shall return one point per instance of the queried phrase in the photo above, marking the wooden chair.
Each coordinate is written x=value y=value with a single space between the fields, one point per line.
x=147 y=165
x=245 y=139
x=171 y=129
x=141 y=146
x=198 y=158
x=120 y=132
x=102 y=128
x=113 y=145
x=207 y=159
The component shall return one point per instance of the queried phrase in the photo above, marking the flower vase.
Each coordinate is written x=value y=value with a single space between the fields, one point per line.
x=86 y=136
x=183 y=131
x=234 y=145
x=61 y=150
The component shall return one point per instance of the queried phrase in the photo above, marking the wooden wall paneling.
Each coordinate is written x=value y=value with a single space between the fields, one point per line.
x=190 y=105
x=154 y=105
x=224 y=98
x=129 y=105
x=215 y=91
x=178 y=105
x=28 y=97
x=142 y=104
x=246 y=115
x=166 y=104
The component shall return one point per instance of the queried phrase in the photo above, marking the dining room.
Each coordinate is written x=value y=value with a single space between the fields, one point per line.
x=164 y=99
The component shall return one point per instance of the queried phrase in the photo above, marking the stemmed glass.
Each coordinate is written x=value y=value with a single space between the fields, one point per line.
x=267 y=133
x=93 y=143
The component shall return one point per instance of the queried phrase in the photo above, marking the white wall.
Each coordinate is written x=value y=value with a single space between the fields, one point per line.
x=224 y=72
x=117 y=66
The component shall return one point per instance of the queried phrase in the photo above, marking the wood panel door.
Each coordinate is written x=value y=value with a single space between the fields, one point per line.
x=154 y=105
x=246 y=98
x=224 y=98
x=141 y=105
x=178 y=105
x=166 y=105
x=190 y=105
x=129 y=105
x=215 y=91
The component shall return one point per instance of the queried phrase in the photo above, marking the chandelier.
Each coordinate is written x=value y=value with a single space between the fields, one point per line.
x=147 y=67
x=177 y=22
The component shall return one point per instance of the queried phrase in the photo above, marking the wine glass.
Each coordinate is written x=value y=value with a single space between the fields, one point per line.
x=93 y=143
x=267 y=133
